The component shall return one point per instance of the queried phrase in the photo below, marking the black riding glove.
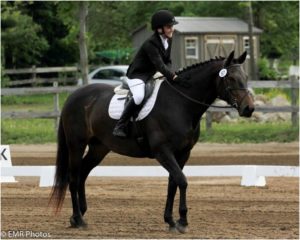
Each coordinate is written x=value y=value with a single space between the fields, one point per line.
x=182 y=81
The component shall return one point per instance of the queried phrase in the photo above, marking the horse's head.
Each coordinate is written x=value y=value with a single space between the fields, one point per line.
x=232 y=85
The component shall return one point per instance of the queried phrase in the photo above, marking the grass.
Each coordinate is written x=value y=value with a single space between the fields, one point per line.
x=33 y=131
x=250 y=132
x=43 y=101
x=28 y=131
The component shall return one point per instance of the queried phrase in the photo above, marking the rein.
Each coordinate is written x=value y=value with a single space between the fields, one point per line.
x=194 y=100
x=228 y=90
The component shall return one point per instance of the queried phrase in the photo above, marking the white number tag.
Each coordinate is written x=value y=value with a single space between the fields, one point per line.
x=223 y=72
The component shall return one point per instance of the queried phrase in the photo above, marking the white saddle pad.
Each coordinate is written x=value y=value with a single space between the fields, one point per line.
x=116 y=105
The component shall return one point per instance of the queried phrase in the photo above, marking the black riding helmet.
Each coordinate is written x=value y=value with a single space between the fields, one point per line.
x=162 y=18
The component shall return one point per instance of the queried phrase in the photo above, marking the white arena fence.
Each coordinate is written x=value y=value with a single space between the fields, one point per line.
x=251 y=175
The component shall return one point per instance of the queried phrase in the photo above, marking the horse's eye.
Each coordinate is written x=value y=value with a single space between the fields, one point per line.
x=241 y=85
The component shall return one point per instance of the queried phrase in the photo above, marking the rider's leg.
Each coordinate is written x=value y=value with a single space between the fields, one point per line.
x=137 y=88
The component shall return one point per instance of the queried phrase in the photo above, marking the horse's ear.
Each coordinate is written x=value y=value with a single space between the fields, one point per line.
x=242 y=58
x=229 y=59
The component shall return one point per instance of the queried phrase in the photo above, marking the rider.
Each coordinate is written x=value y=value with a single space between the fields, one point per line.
x=153 y=56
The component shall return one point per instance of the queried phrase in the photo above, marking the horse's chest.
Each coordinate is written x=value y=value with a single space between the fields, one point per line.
x=184 y=139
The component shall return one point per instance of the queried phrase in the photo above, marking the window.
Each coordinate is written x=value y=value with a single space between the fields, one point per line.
x=102 y=74
x=109 y=74
x=191 y=47
x=115 y=74
x=246 y=43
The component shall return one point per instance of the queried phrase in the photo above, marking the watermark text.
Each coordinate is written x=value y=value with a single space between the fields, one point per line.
x=24 y=234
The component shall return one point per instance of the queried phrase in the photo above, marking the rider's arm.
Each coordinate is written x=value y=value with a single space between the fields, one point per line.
x=157 y=61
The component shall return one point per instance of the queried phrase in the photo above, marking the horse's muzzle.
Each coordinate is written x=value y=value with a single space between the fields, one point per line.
x=246 y=105
x=247 y=111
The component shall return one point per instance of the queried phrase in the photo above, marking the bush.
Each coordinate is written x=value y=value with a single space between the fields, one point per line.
x=265 y=72
x=271 y=93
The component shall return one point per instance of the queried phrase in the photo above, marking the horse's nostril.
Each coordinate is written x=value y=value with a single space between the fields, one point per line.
x=251 y=109
x=248 y=111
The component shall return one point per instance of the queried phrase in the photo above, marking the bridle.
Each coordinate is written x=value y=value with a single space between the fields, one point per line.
x=229 y=96
x=228 y=92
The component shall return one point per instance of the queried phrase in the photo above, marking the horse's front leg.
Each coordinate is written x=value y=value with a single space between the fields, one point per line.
x=167 y=159
x=182 y=158
x=168 y=216
x=182 y=223
x=172 y=188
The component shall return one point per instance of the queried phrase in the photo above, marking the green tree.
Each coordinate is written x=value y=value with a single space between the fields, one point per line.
x=46 y=33
x=60 y=51
x=280 y=22
x=21 y=43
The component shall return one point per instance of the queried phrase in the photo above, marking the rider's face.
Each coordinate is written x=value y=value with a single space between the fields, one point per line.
x=168 y=31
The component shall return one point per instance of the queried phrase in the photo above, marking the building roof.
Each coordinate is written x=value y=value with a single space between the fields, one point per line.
x=212 y=25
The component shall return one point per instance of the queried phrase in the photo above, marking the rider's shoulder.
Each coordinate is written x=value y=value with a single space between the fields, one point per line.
x=152 y=41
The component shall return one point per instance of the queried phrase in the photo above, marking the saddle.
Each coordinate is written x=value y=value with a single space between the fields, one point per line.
x=123 y=94
x=123 y=89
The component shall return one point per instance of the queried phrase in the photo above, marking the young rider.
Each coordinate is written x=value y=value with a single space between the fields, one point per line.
x=153 y=56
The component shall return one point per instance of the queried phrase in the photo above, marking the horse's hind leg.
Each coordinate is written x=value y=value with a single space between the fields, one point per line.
x=75 y=158
x=95 y=155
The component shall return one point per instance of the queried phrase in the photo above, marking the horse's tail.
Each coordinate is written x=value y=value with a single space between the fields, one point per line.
x=61 y=175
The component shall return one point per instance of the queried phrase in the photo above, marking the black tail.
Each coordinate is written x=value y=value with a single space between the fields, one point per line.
x=61 y=175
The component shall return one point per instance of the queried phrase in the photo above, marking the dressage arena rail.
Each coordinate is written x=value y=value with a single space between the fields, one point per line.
x=292 y=84
x=252 y=175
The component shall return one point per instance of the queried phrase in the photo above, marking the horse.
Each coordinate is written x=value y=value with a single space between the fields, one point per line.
x=170 y=131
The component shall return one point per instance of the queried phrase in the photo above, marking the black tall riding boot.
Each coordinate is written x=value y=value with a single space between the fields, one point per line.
x=120 y=129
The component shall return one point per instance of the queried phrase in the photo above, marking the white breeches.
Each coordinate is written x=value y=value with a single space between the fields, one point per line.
x=137 y=87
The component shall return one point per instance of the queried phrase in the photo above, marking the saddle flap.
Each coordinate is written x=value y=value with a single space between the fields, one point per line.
x=149 y=87
x=117 y=102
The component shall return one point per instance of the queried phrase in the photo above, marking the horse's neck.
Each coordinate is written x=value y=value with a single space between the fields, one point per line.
x=202 y=89
x=204 y=86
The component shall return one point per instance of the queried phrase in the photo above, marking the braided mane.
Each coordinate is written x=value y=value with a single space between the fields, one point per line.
x=196 y=65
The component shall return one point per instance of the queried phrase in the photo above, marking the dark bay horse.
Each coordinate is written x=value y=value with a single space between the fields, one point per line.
x=170 y=131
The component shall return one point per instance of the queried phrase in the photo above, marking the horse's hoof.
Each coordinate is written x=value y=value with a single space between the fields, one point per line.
x=181 y=228
x=173 y=229
x=77 y=222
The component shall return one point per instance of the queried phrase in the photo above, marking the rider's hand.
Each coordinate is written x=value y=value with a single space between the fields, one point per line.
x=182 y=81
